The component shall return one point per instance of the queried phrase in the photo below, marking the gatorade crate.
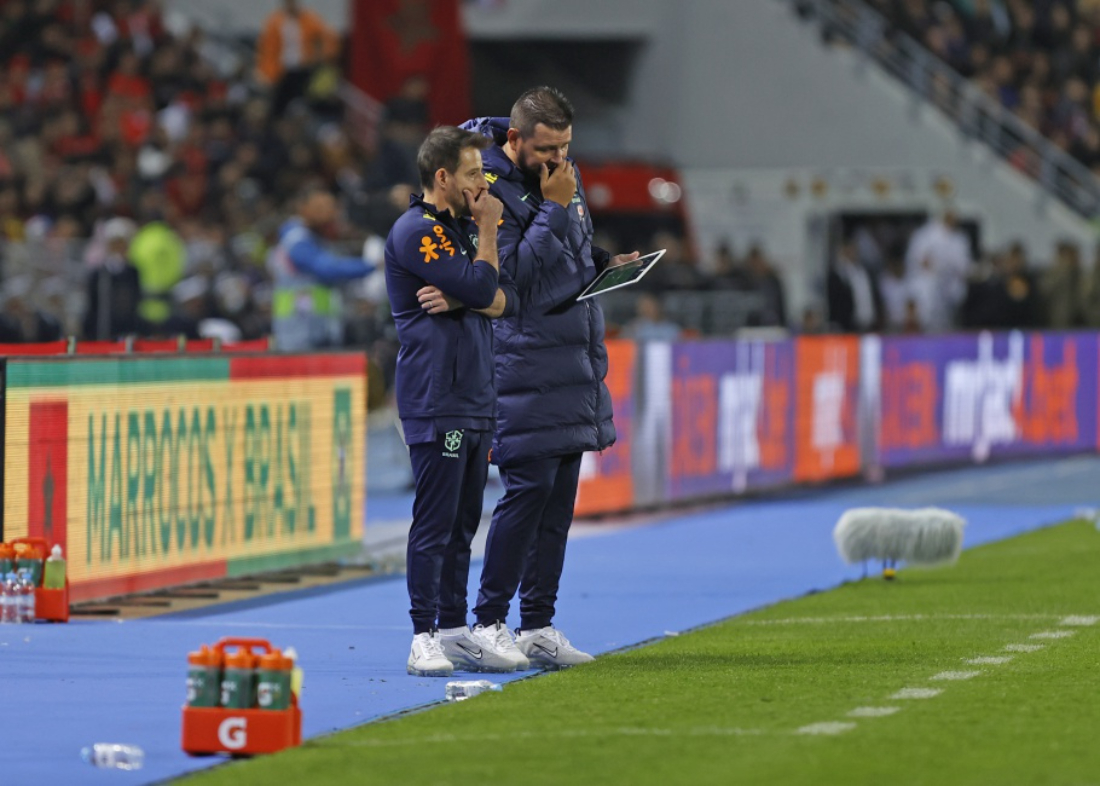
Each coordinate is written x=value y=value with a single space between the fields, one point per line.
x=51 y=605
x=241 y=732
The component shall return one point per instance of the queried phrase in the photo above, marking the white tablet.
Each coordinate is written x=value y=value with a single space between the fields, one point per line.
x=615 y=276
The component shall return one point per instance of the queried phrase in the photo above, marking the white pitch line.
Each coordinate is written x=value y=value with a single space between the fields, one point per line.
x=1052 y=634
x=899 y=618
x=1023 y=647
x=873 y=712
x=827 y=728
x=994 y=660
x=1080 y=621
x=917 y=693
x=625 y=731
x=955 y=675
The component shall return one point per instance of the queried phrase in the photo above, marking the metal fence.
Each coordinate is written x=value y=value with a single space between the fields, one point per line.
x=977 y=115
x=48 y=275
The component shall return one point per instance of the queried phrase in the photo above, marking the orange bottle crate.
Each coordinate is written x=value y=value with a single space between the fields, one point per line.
x=240 y=732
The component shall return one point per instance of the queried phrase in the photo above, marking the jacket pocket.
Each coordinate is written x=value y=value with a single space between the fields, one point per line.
x=473 y=366
x=446 y=367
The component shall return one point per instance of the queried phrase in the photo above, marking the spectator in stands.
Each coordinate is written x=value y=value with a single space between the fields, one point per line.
x=766 y=282
x=294 y=41
x=937 y=264
x=20 y=320
x=1023 y=306
x=855 y=305
x=1090 y=293
x=1062 y=287
x=306 y=305
x=675 y=271
x=158 y=253
x=1003 y=294
x=650 y=324
x=390 y=176
x=898 y=305
x=728 y=272
x=114 y=287
x=812 y=324
x=190 y=306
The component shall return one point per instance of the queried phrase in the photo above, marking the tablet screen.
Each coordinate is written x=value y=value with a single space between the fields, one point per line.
x=616 y=276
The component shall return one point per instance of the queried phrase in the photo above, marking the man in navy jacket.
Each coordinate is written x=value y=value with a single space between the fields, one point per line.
x=552 y=403
x=445 y=391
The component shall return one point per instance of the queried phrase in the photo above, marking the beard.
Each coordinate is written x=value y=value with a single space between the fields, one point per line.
x=457 y=203
x=532 y=168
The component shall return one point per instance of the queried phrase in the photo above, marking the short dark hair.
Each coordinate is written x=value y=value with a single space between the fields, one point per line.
x=546 y=105
x=441 y=150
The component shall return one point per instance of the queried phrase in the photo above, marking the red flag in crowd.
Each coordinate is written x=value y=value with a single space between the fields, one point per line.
x=393 y=41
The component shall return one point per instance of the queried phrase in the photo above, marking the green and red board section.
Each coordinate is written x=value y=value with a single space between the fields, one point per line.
x=158 y=470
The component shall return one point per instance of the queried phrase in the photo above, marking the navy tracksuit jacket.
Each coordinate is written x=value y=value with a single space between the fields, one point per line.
x=552 y=403
x=445 y=398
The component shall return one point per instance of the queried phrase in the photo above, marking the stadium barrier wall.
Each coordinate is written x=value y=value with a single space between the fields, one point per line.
x=706 y=419
x=162 y=470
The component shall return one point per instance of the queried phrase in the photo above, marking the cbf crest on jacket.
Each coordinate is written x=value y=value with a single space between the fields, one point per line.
x=445 y=364
x=550 y=355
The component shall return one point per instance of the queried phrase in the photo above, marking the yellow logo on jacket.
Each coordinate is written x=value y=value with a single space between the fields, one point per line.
x=427 y=248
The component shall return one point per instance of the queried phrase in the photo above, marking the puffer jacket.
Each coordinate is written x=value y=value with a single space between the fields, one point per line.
x=550 y=355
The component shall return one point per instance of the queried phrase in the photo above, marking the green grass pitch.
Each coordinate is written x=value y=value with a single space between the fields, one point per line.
x=725 y=704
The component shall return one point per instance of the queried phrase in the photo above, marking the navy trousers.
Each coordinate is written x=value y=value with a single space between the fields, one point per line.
x=526 y=545
x=450 y=478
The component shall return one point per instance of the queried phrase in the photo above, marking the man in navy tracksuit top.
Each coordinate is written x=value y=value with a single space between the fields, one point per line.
x=552 y=403
x=445 y=391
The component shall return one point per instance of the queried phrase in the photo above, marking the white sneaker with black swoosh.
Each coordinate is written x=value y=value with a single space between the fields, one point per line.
x=426 y=658
x=471 y=652
x=498 y=638
x=548 y=648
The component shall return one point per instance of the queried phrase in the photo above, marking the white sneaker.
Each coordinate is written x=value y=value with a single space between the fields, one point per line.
x=498 y=638
x=549 y=649
x=469 y=651
x=426 y=658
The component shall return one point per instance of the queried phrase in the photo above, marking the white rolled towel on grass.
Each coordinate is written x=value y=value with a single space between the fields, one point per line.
x=926 y=536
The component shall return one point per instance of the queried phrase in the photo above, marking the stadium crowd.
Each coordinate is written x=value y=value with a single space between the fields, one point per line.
x=121 y=123
x=1040 y=59
x=136 y=150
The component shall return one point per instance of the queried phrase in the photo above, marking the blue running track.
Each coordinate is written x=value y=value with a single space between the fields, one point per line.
x=66 y=686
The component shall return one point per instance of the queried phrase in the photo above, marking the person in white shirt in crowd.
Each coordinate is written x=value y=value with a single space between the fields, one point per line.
x=937 y=264
x=897 y=296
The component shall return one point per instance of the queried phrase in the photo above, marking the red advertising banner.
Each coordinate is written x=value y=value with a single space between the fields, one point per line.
x=607 y=482
x=395 y=41
x=827 y=407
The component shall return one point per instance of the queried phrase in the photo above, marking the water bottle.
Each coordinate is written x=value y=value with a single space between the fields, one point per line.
x=462 y=690
x=273 y=681
x=9 y=600
x=53 y=576
x=296 y=674
x=204 y=676
x=112 y=756
x=238 y=680
x=26 y=597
